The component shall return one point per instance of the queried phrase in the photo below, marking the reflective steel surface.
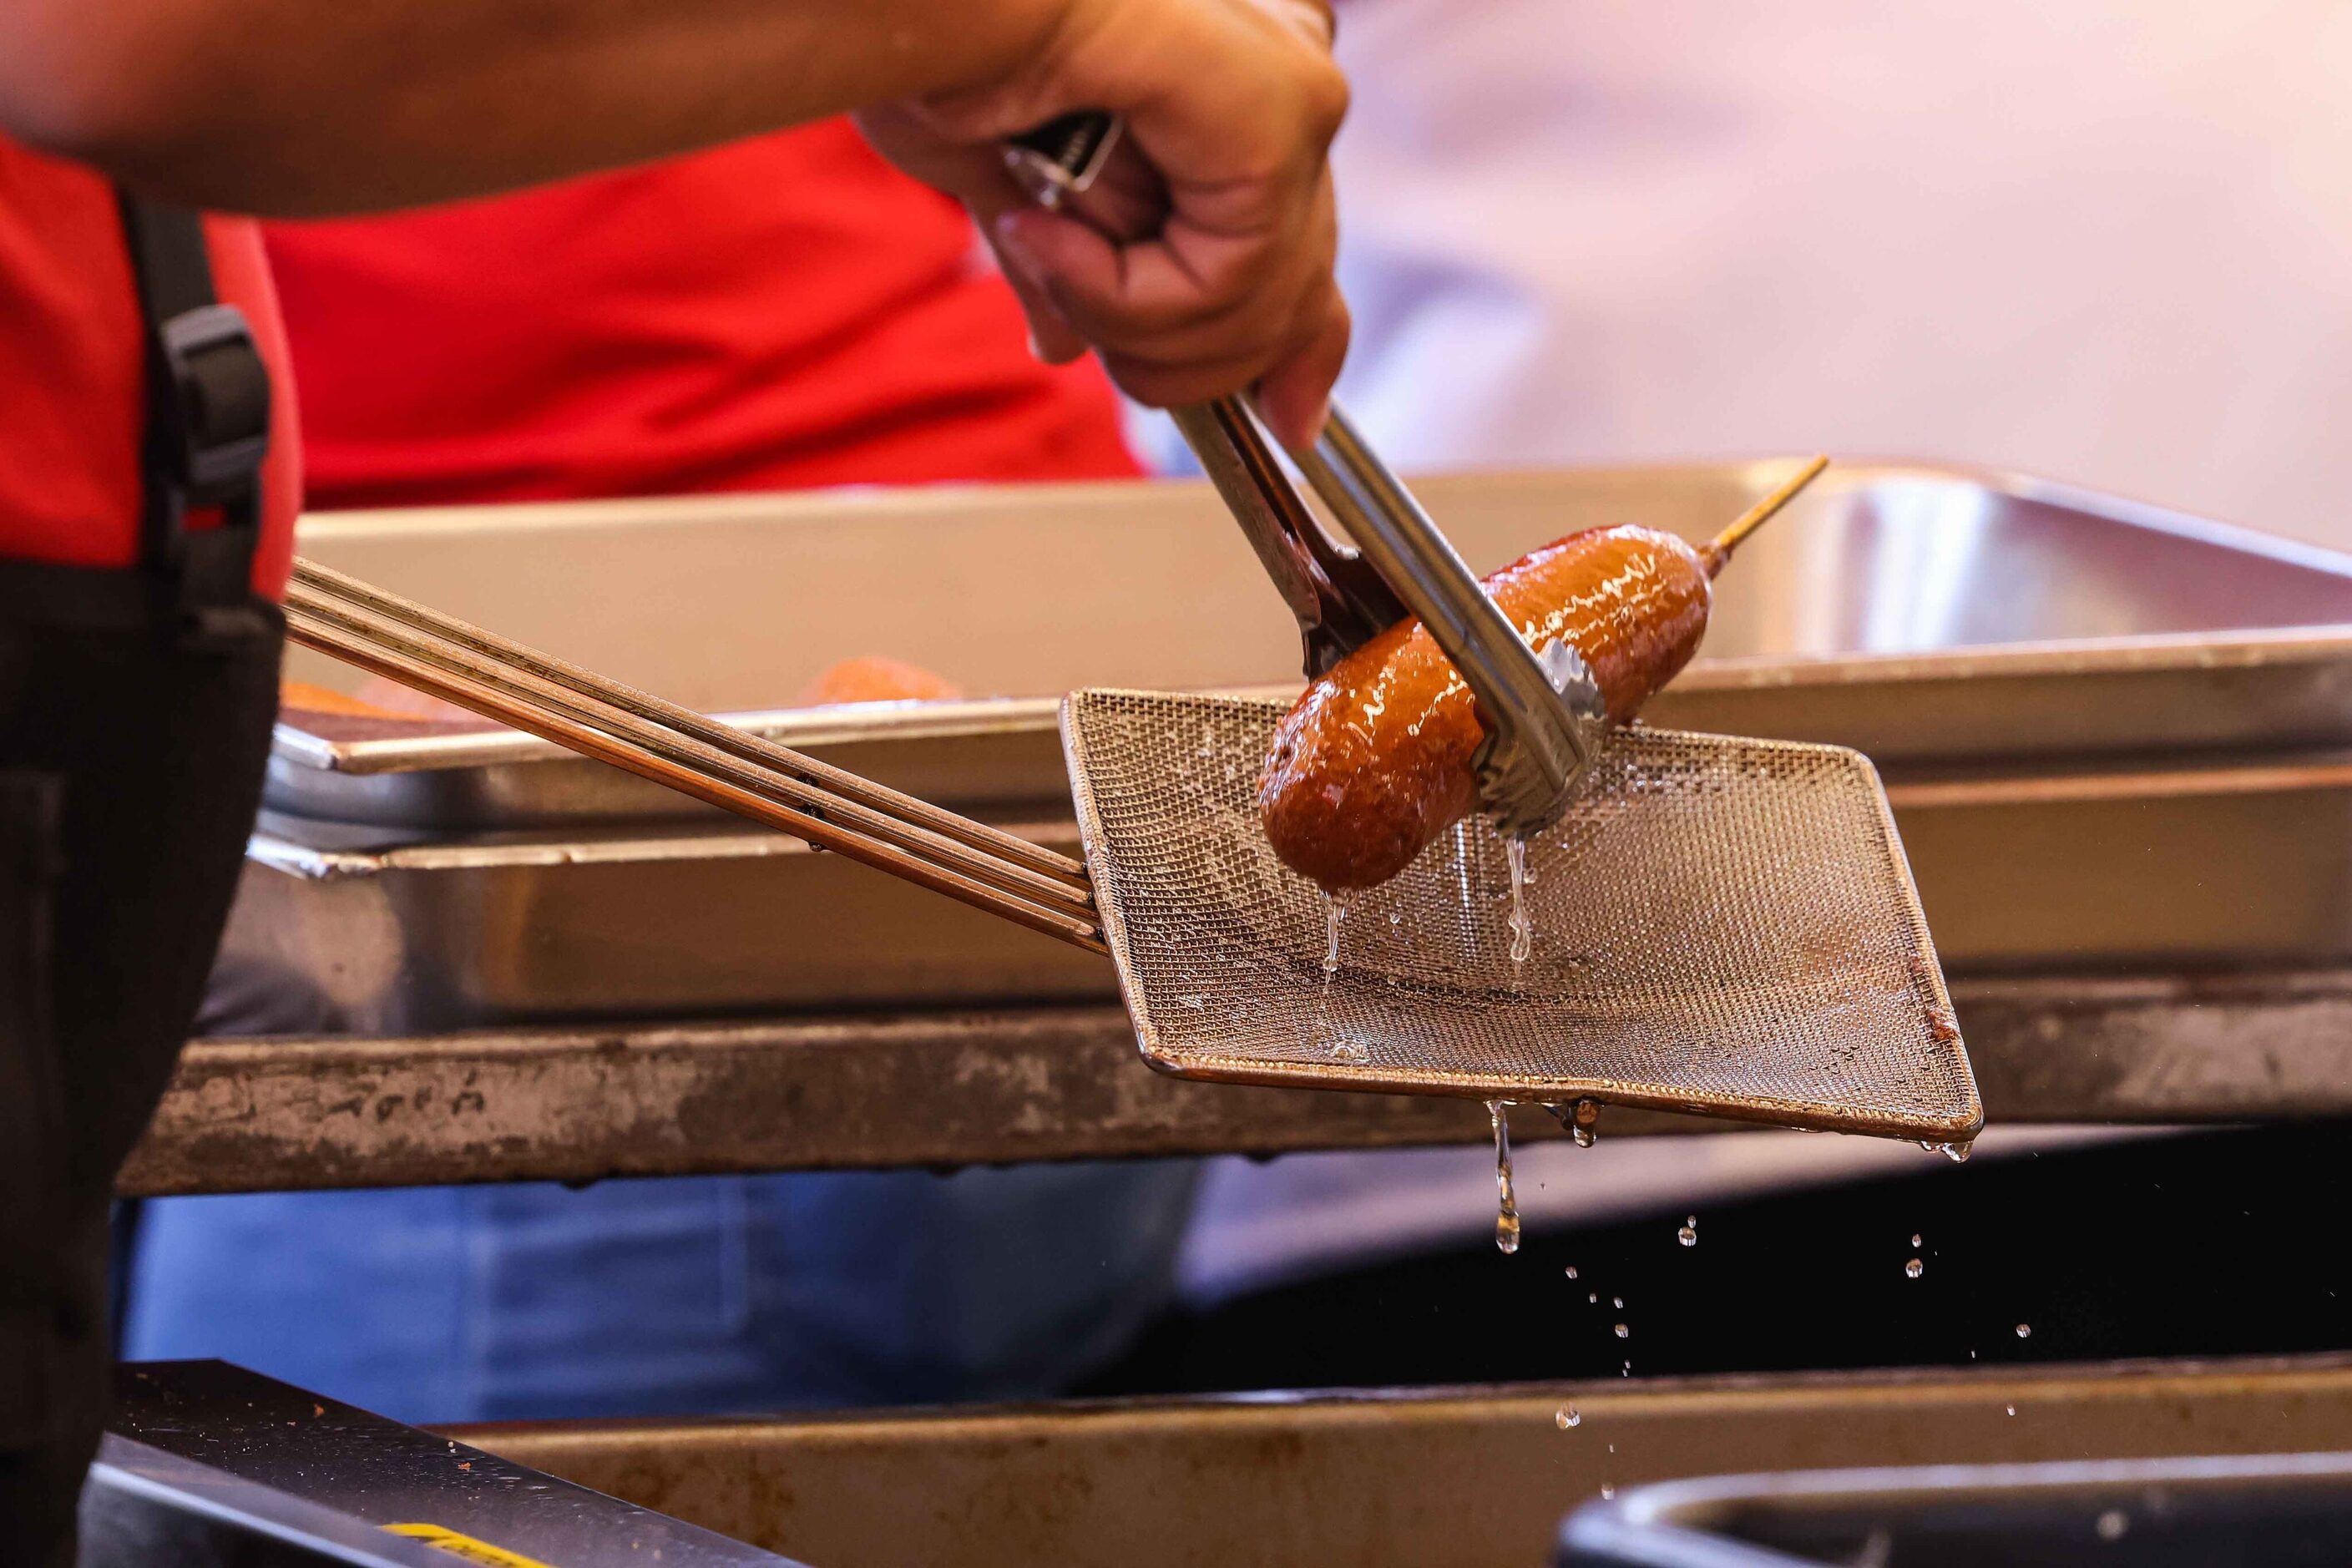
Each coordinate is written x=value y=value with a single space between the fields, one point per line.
x=2272 y=1509
x=2084 y=710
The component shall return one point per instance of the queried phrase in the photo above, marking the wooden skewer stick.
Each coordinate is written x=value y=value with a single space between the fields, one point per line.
x=1718 y=549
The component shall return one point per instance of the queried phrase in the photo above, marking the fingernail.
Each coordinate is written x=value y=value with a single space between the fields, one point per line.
x=1012 y=243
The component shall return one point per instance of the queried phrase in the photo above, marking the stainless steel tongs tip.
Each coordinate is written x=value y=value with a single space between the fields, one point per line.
x=1540 y=716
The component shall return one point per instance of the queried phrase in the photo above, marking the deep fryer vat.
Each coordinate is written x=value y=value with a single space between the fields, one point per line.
x=1439 y=1479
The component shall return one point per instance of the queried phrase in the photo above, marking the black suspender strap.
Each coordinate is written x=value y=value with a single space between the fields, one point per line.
x=208 y=418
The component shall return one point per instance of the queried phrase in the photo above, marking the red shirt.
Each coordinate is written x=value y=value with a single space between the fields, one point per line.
x=781 y=312
x=72 y=373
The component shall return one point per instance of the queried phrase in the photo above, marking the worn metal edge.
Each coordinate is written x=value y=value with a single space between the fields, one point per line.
x=1062 y=1083
x=2130 y=1380
x=1110 y=902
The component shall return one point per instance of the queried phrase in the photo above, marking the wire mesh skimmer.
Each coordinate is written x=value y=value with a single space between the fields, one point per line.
x=1718 y=925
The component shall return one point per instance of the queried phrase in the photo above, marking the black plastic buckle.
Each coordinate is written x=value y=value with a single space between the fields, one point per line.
x=215 y=436
x=220 y=387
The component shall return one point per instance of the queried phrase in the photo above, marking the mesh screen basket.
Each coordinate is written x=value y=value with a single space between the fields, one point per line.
x=1719 y=925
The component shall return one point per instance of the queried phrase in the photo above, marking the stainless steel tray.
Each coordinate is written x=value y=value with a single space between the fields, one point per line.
x=2113 y=737
x=1913 y=611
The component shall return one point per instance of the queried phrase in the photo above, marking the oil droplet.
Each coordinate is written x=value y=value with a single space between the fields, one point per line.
x=1580 y=1121
x=1607 y=1491
x=1618 y=1302
x=1914 y=1241
x=1507 y=1209
x=1572 y=1271
x=2025 y=1330
x=1396 y=917
x=1523 y=929
x=1568 y=1415
x=2012 y=1410
x=1624 y=1332
x=1334 y=909
x=1688 y=1234
x=1914 y=1268
x=2112 y=1524
x=1344 y=1051
x=1593 y=1297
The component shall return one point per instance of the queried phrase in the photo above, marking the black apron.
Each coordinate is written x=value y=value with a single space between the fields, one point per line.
x=135 y=711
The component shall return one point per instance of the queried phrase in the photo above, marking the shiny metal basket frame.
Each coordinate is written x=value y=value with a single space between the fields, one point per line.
x=1719 y=925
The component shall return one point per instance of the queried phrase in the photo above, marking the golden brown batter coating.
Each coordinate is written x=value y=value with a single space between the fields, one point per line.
x=1375 y=760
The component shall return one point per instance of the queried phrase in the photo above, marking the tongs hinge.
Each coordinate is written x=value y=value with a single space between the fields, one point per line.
x=1543 y=714
x=1340 y=601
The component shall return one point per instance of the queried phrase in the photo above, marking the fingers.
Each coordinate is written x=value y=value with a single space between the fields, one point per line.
x=1194 y=314
x=1051 y=337
x=1295 y=396
x=1201 y=262
x=976 y=176
x=1235 y=289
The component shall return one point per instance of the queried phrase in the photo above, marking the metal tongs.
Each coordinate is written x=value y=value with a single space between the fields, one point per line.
x=1543 y=711
x=748 y=774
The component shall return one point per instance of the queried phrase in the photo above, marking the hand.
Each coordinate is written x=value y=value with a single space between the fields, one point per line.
x=1201 y=263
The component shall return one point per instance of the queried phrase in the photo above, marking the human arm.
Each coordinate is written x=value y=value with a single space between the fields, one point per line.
x=1203 y=260
x=294 y=107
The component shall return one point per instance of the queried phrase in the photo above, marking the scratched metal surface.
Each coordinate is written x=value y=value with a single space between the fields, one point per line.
x=1061 y=1083
x=1442 y=1479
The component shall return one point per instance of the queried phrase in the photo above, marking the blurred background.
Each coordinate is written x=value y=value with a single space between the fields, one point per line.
x=2100 y=242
